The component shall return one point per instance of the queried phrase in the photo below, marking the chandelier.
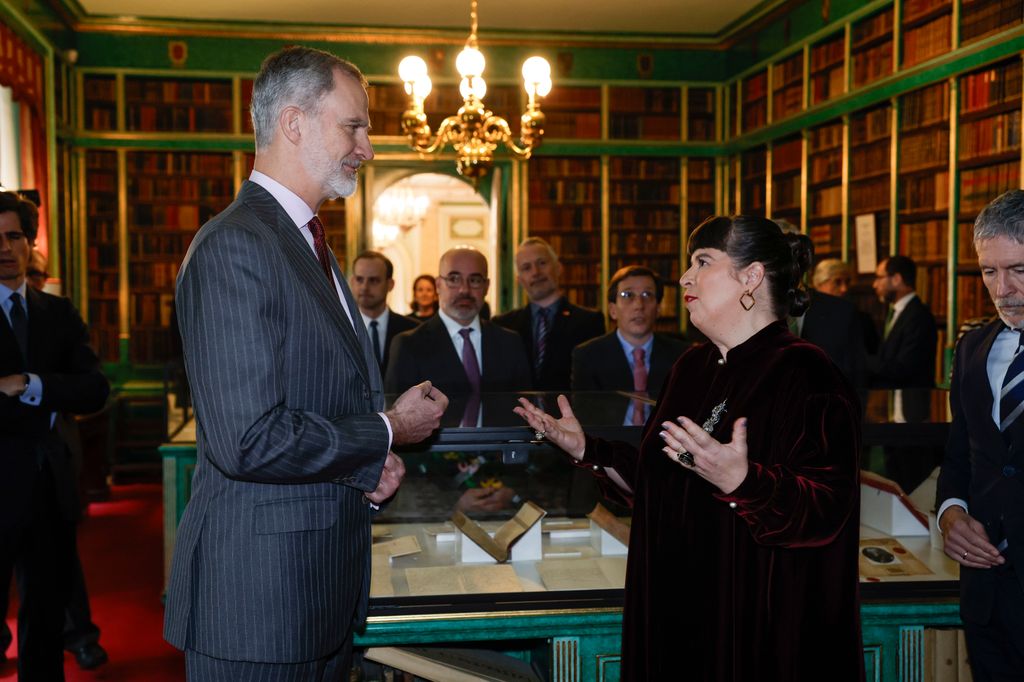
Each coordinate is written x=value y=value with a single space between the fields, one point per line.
x=401 y=207
x=474 y=131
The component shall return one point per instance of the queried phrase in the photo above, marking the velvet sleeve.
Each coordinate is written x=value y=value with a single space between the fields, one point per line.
x=617 y=455
x=804 y=493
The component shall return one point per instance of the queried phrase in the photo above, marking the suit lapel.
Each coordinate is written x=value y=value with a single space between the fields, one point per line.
x=976 y=374
x=311 y=276
x=39 y=328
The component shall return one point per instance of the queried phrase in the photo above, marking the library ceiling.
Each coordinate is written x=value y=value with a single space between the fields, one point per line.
x=646 y=17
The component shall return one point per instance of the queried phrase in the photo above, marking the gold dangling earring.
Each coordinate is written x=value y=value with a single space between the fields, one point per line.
x=747 y=296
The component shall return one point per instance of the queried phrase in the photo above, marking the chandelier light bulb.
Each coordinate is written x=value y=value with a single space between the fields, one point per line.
x=536 y=70
x=422 y=87
x=412 y=69
x=477 y=90
x=470 y=63
x=544 y=87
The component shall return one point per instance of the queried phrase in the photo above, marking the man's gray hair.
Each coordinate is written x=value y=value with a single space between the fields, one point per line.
x=537 y=241
x=1003 y=217
x=295 y=76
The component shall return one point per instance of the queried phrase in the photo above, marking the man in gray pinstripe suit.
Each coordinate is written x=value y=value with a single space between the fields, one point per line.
x=272 y=564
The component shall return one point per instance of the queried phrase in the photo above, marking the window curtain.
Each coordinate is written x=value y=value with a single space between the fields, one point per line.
x=21 y=70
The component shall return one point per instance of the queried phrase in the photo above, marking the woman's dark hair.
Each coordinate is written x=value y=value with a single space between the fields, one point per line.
x=748 y=239
x=414 y=305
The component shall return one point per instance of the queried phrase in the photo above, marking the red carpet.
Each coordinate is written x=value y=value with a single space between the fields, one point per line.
x=121 y=545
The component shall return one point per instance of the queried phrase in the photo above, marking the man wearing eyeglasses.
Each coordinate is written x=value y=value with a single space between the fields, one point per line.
x=46 y=367
x=633 y=357
x=549 y=325
x=459 y=353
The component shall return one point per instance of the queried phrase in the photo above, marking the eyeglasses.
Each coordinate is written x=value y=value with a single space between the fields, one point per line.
x=455 y=280
x=628 y=296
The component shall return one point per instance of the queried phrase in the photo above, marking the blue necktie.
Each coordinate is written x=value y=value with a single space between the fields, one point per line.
x=542 y=337
x=1011 y=397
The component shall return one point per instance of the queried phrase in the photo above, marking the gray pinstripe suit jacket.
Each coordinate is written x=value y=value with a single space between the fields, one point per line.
x=273 y=552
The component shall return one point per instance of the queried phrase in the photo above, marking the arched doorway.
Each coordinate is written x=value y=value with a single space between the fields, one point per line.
x=418 y=217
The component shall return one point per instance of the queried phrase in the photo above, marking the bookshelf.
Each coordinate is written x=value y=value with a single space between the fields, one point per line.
x=102 y=252
x=755 y=101
x=871 y=48
x=170 y=195
x=988 y=164
x=753 y=178
x=387 y=102
x=828 y=68
x=99 y=102
x=733 y=96
x=644 y=223
x=573 y=113
x=825 y=189
x=926 y=30
x=245 y=101
x=565 y=209
x=787 y=161
x=788 y=86
x=870 y=186
x=700 y=114
x=923 y=190
x=982 y=18
x=644 y=113
x=700 y=190
x=178 y=105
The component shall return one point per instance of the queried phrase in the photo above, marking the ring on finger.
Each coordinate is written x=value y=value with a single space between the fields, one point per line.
x=685 y=458
x=539 y=435
x=964 y=555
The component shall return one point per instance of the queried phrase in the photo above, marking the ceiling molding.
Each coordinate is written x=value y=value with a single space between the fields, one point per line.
x=76 y=17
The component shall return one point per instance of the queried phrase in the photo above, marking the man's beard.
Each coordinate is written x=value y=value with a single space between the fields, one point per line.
x=334 y=176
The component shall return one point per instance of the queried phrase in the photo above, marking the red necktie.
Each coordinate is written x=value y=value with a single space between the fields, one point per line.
x=639 y=384
x=316 y=228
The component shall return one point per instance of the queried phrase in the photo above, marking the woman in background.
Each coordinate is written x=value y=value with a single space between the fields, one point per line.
x=744 y=542
x=424 y=298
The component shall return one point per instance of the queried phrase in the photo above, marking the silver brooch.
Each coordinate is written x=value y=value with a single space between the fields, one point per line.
x=684 y=457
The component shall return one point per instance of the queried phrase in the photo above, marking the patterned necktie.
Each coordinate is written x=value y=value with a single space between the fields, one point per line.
x=542 y=338
x=19 y=323
x=639 y=384
x=316 y=228
x=472 y=367
x=375 y=338
x=1011 y=397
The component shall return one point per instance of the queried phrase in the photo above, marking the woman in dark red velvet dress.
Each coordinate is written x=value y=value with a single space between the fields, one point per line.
x=743 y=550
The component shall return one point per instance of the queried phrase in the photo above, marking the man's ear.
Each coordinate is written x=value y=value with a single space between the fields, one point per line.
x=391 y=285
x=289 y=122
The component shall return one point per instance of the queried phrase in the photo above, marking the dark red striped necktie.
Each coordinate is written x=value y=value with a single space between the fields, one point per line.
x=316 y=228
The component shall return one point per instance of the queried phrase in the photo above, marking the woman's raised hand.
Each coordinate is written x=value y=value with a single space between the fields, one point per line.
x=565 y=432
x=724 y=465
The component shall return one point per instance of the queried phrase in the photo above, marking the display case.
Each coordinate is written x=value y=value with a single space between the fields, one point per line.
x=559 y=602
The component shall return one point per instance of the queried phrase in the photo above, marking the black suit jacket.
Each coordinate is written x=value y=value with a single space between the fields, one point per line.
x=427 y=353
x=572 y=326
x=396 y=325
x=69 y=370
x=833 y=324
x=906 y=358
x=982 y=468
x=600 y=364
